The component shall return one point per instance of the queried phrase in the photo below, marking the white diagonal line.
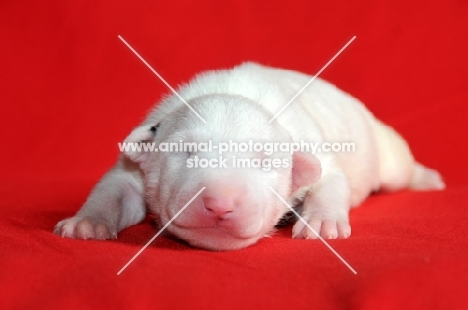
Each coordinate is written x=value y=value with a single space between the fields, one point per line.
x=160 y=231
x=308 y=83
x=313 y=230
x=161 y=78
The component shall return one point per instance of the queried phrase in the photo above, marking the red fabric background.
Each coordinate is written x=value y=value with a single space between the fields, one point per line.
x=70 y=90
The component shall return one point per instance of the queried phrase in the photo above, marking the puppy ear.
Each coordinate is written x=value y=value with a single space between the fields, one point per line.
x=137 y=145
x=306 y=170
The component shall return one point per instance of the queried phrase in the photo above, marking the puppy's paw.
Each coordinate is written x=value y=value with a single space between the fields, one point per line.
x=85 y=228
x=326 y=228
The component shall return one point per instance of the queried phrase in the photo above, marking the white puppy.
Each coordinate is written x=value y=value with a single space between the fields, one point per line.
x=237 y=208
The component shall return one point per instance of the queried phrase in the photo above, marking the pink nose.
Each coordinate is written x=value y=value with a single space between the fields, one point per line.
x=218 y=206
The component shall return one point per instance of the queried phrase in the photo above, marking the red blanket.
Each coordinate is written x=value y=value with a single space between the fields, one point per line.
x=70 y=90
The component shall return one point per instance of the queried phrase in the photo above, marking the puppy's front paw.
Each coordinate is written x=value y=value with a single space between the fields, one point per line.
x=85 y=228
x=326 y=228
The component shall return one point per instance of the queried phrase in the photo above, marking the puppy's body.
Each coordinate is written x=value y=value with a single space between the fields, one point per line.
x=237 y=207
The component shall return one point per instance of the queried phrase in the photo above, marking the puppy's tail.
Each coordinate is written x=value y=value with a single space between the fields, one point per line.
x=425 y=179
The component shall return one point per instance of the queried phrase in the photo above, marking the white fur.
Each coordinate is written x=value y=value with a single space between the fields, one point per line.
x=237 y=208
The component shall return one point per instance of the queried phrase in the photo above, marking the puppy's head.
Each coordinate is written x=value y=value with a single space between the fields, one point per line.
x=236 y=207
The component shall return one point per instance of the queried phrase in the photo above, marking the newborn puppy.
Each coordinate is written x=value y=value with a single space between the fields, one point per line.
x=238 y=205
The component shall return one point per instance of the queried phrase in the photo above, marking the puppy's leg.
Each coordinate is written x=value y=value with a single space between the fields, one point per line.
x=426 y=179
x=325 y=209
x=398 y=169
x=115 y=203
